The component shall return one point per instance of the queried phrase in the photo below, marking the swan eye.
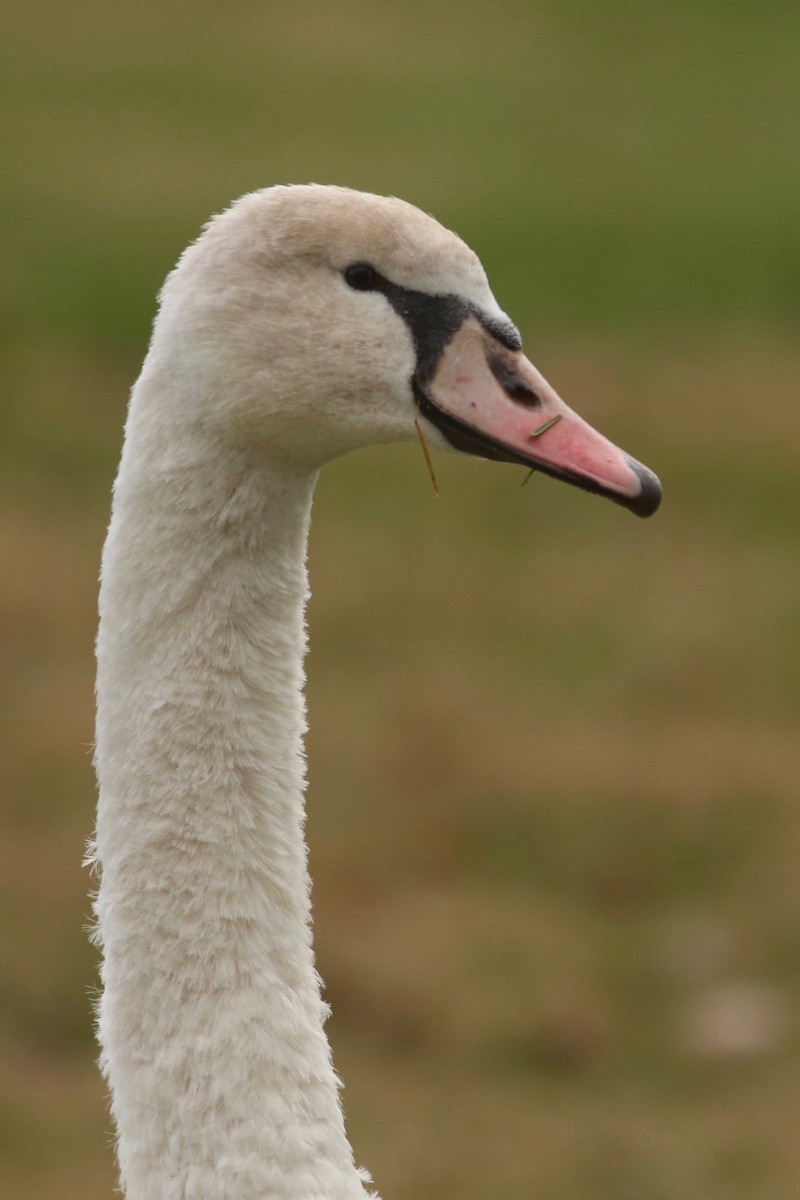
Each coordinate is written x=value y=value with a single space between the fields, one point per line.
x=362 y=277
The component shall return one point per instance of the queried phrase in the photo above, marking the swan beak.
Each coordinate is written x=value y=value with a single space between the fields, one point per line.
x=488 y=400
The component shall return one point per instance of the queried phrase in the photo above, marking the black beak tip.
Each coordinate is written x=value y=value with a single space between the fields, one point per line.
x=649 y=498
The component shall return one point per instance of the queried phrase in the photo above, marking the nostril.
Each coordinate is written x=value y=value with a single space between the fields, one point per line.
x=513 y=384
x=523 y=394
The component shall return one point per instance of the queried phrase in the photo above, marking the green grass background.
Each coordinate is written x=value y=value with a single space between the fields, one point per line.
x=554 y=814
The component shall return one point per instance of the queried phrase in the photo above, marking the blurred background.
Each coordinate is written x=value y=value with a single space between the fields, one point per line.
x=554 y=815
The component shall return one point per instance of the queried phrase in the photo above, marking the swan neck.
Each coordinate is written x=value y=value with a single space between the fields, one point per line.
x=211 y=1018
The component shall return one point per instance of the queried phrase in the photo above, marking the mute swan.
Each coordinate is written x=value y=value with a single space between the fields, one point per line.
x=304 y=322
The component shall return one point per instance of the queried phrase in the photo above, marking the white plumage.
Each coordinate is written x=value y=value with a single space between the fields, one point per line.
x=269 y=357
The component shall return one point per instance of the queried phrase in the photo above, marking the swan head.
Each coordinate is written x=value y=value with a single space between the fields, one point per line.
x=309 y=320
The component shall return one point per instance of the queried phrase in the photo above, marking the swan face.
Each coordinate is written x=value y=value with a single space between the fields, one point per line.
x=307 y=321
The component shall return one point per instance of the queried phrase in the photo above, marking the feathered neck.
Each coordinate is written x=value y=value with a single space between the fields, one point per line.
x=211 y=1019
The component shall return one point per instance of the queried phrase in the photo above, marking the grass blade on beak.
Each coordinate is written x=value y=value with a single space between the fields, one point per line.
x=426 y=456
x=543 y=428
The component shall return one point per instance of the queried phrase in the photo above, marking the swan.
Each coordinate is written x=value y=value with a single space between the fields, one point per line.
x=305 y=321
